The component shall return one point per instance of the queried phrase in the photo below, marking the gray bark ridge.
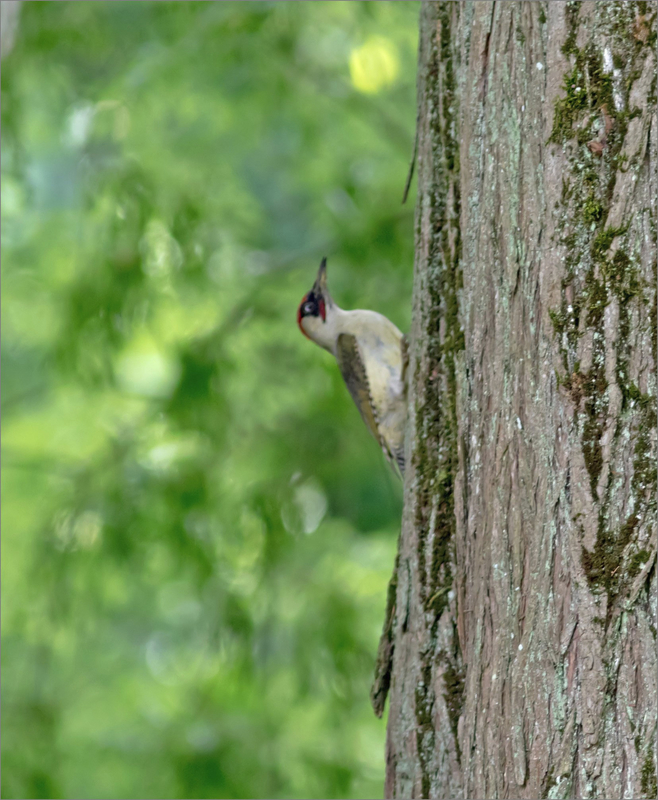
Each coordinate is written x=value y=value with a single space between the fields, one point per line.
x=523 y=622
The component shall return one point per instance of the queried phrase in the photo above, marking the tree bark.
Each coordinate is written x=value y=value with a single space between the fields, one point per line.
x=521 y=643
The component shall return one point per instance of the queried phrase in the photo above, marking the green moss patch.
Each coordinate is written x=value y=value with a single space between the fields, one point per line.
x=435 y=452
x=649 y=783
x=601 y=267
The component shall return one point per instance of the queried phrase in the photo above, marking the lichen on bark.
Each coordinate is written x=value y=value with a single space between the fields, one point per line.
x=596 y=108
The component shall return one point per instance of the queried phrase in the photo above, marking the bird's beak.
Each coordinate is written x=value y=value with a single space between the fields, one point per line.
x=320 y=285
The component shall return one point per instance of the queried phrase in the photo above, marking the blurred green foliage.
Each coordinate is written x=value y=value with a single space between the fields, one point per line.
x=197 y=528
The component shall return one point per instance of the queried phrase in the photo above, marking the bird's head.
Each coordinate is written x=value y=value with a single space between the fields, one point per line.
x=315 y=311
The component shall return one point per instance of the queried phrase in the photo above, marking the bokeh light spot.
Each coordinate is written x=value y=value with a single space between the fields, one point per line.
x=374 y=65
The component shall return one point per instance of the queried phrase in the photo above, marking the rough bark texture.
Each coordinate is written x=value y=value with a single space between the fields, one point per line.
x=523 y=633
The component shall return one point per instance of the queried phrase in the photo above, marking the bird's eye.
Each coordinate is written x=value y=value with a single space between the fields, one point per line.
x=308 y=308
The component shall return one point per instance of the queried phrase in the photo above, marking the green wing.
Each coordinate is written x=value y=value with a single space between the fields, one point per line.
x=354 y=374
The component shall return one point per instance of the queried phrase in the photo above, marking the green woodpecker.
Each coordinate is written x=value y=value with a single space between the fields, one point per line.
x=371 y=355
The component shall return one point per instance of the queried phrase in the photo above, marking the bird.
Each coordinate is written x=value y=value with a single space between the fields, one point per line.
x=372 y=357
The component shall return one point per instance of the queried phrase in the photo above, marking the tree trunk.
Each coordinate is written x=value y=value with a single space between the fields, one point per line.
x=521 y=643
